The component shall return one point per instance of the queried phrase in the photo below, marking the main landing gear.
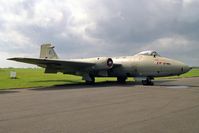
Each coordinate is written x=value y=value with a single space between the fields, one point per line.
x=148 y=81
x=121 y=80
x=90 y=82
x=89 y=79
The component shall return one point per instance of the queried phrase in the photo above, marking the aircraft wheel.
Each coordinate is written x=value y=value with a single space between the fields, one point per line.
x=147 y=82
x=90 y=82
x=144 y=82
x=150 y=83
x=121 y=79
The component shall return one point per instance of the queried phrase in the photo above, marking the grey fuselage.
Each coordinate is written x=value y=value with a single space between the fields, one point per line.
x=136 y=66
x=148 y=66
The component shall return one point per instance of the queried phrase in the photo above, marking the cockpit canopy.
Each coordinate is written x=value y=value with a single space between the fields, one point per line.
x=149 y=53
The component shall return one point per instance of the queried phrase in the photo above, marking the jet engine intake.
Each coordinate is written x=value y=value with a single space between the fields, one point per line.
x=103 y=63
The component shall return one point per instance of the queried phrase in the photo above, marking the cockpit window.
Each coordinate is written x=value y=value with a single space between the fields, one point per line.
x=149 y=53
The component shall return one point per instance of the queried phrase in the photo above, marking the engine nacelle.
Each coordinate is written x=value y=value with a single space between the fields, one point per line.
x=103 y=63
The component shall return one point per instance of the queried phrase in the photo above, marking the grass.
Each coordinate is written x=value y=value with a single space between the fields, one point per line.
x=192 y=73
x=32 y=77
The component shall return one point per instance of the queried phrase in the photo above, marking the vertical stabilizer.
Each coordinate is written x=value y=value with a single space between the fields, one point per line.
x=47 y=51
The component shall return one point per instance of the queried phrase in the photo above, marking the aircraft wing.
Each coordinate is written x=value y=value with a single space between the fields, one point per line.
x=41 y=61
x=54 y=63
x=67 y=66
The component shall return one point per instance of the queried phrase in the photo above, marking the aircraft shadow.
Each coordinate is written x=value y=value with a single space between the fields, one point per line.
x=81 y=85
x=172 y=84
x=163 y=81
x=7 y=92
x=70 y=81
x=177 y=85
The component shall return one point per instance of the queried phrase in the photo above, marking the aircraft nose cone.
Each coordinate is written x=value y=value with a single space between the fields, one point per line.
x=186 y=68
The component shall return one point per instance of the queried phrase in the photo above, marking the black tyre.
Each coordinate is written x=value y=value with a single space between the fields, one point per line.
x=91 y=82
x=121 y=79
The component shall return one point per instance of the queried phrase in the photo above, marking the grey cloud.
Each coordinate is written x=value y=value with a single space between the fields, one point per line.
x=101 y=27
x=137 y=21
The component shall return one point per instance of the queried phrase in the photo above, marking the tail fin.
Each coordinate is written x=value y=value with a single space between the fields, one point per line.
x=47 y=51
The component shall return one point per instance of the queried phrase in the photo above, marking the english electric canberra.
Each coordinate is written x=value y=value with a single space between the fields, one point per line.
x=143 y=66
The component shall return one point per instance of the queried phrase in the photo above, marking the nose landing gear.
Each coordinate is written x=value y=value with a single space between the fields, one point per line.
x=148 y=81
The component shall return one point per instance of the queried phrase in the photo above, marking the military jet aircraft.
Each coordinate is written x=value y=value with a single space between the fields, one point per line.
x=143 y=66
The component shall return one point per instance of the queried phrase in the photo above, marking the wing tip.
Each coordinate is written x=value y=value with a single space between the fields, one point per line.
x=10 y=58
x=14 y=58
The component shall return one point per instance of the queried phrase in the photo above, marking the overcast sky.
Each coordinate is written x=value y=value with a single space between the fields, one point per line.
x=85 y=28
